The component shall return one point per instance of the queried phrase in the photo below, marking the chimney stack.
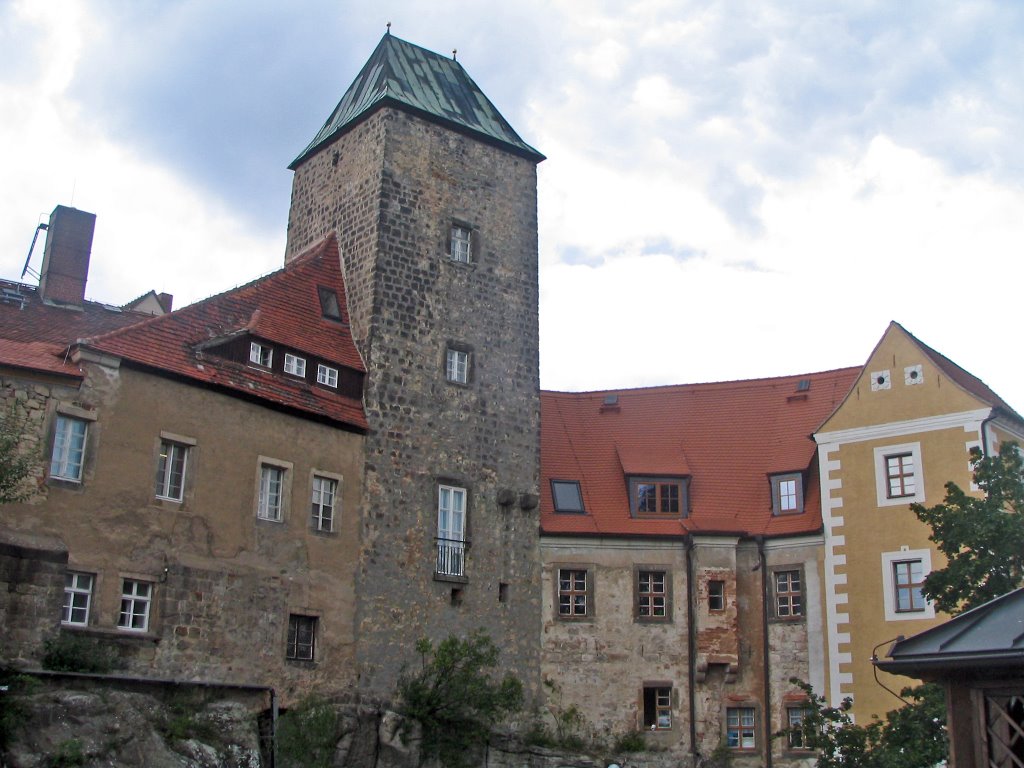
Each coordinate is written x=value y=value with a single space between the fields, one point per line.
x=66 y=256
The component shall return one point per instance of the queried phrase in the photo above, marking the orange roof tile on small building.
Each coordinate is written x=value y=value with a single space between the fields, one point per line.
x=727 y=437
x=282 y=307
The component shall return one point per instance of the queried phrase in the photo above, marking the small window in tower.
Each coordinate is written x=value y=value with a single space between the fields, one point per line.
x=461 y=243
x=329 y=303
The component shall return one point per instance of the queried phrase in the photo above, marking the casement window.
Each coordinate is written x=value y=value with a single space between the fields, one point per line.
x=652 y=596
x=656 y=497
x=327 y=375
x=716 y=595
x=451 y=530
x=460 y=247
x=787 y=494
x=301 y=638
x=898 y=474
x=795 y=715
x=271 y=499
x=574 y=593
x=658 y=707
x=329 y=306
x=261 y=354
x=77 y=598
x=567 y=496
x=456 y=367
x=325 y=491
x=907 y=580
x=171 y=466
x=295 y=365
x=136 y=598
x=787 y=594
x=903 y=575
x=68 y=449
x=740 y=730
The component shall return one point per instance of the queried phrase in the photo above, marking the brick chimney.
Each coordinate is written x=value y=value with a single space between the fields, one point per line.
x=66 y=256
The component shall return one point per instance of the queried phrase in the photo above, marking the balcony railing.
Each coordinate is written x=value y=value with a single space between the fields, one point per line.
x=451 y=557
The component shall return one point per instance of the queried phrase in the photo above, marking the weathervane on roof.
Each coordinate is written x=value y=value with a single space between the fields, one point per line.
x=454 y=51
x=388 y=25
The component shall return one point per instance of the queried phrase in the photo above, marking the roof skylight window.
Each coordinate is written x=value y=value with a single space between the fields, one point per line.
x=567 y=496
x=329 y=303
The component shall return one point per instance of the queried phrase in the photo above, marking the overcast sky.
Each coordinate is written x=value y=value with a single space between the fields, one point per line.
x=733 y=189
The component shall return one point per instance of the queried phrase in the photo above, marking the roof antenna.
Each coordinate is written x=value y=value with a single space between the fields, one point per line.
x=454 y=51
x=388 y=25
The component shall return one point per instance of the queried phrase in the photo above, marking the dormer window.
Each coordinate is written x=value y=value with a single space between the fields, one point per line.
x=295 y=365
x=327 y=375
x=461 y=243
x=261 y=354
x=566 y=495
x=329 y=303
x=657 y=496
x=787 y=494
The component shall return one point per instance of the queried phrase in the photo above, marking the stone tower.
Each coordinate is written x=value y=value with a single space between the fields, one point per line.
x=433 y=198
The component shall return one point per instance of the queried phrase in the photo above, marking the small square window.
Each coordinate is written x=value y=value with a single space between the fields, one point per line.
x=573 y=593
x=68 y=449
x=261 y=354
x=658 y=707
x=461 y=243
x=136 y=598
x=170 y=471
x=271 y=502
x=457 y=366
x=77 y=598
x=652 y=596
x=716 y=595
x=567 y=496
x=295 y=365
x=788 y=594
x=324 y=492
x=327 y=375
x=740 y=727
x=301 y=638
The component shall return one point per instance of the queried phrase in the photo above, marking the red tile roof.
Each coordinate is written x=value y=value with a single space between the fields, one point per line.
x=38 y=356
x=282 y=307
x=727 y=437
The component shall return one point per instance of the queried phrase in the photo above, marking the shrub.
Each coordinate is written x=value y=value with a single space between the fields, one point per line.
x=307 y=734
x=73 y=653
x=633 y=741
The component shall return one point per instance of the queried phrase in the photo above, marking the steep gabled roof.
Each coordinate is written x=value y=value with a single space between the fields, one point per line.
x=727 y=437
x=282 y=307
x=437 y=88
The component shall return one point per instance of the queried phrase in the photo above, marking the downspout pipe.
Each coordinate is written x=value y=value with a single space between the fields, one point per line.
x=762 y=566
x=691 y=645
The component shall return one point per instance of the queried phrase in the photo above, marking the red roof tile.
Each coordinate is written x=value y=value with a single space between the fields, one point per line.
x=283 y=308
x=38 y=356
x=727 y=437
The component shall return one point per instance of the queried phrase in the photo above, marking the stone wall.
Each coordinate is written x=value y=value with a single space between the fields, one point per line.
x=391 y=188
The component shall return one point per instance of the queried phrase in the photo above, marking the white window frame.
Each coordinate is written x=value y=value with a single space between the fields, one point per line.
x=456 y=368
x=271 y=499
x=882 y=478
x=460 y=246
x=451 y=530
x=889 y=559
x=67 y=461
x=78 y=589
x=327 y=375
x=257 y=353
x=294 y=365
x=319 y=520
x=167 y=451
x=136 y=602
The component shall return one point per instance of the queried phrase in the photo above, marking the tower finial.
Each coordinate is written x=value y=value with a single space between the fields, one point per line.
x=454 y=51
x=388 y=25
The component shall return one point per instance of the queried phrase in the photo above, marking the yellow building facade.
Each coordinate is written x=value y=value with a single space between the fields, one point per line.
x=905 y=429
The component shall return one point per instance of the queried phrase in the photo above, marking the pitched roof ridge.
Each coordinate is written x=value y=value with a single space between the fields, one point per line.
x=710 y=384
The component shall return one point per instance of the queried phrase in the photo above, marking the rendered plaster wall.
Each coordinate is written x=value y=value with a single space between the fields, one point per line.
x=223 y=581
x=391 y=188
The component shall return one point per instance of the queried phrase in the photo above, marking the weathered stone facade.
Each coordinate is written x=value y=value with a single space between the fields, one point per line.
x=392 y=187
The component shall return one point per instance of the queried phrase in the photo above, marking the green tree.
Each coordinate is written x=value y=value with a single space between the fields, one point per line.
x=15 y=464
x=981 y=537
x=455 y=697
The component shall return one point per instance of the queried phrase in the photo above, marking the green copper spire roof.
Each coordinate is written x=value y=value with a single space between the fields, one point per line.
x=436 y=88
